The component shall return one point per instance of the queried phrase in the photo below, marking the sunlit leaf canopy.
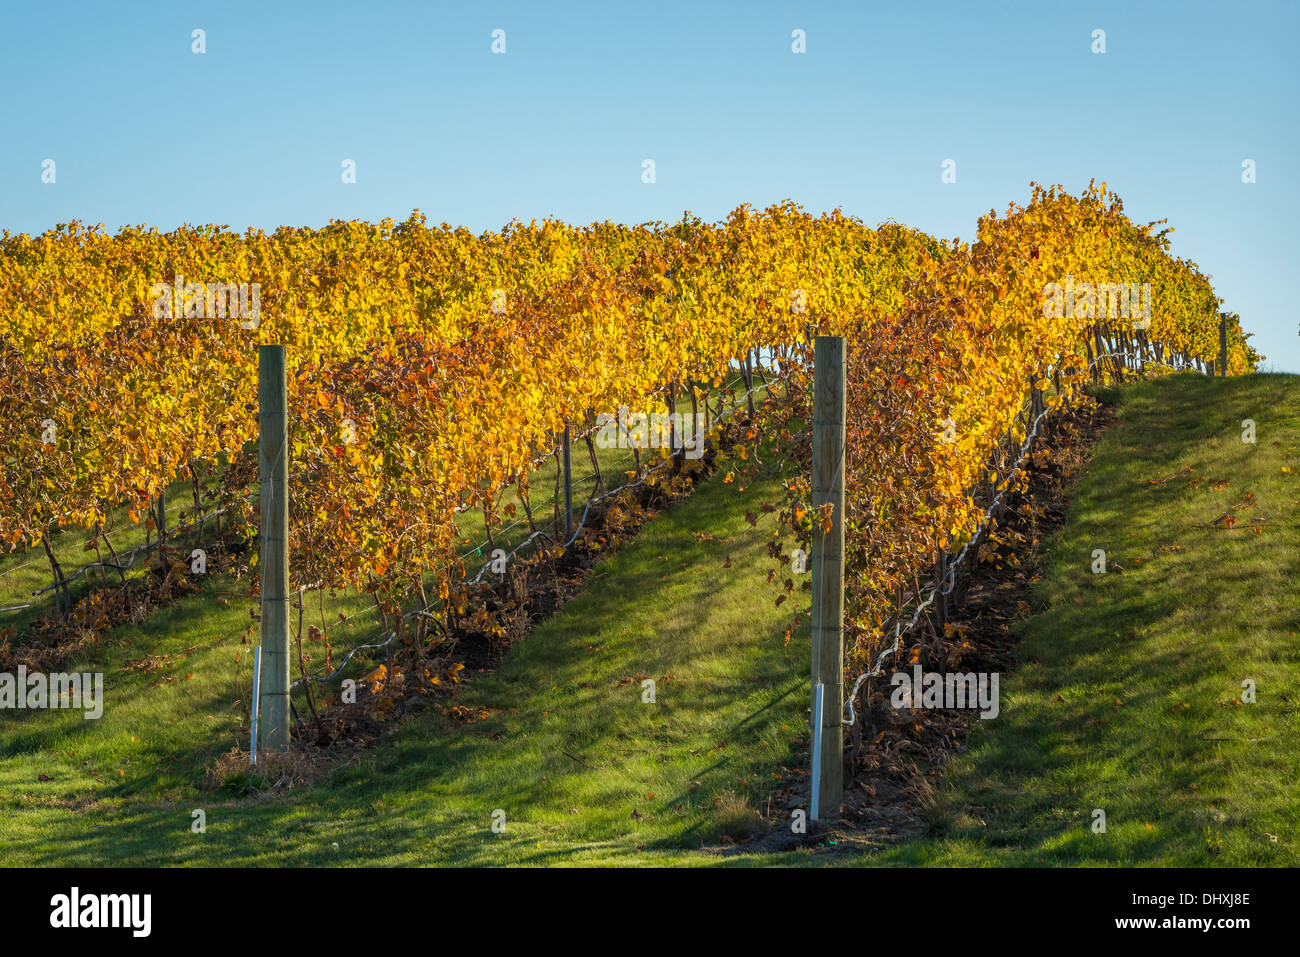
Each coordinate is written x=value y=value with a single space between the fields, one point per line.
x=429 y=367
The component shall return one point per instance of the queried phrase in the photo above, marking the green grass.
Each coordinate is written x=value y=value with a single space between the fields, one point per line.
x=1124 y=701
x=582 y=768
x=587 y=774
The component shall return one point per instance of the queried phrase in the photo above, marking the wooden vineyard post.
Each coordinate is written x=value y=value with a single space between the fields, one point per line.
x=160 y=524
x=675 y=447
x=828 y=576
x=568 y=486
x=940 y=599
x=749 y=385
x=1223 y=345
x=273 y=430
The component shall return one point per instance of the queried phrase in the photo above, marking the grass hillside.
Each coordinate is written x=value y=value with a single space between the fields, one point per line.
x=1128 y=698
x=582 y=768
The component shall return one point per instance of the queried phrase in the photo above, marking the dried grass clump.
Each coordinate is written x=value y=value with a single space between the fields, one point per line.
x=275 y=772
x=734 y=819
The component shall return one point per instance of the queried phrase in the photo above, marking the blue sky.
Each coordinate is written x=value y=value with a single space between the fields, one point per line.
x=253 y=132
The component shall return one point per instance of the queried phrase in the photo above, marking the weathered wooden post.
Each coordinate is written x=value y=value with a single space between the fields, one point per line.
x=828 y=576
x=749 y=384
x=273 y=430
x=1101 y=366
x=1223 y=345
x=940 y=599
x=568 y=486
